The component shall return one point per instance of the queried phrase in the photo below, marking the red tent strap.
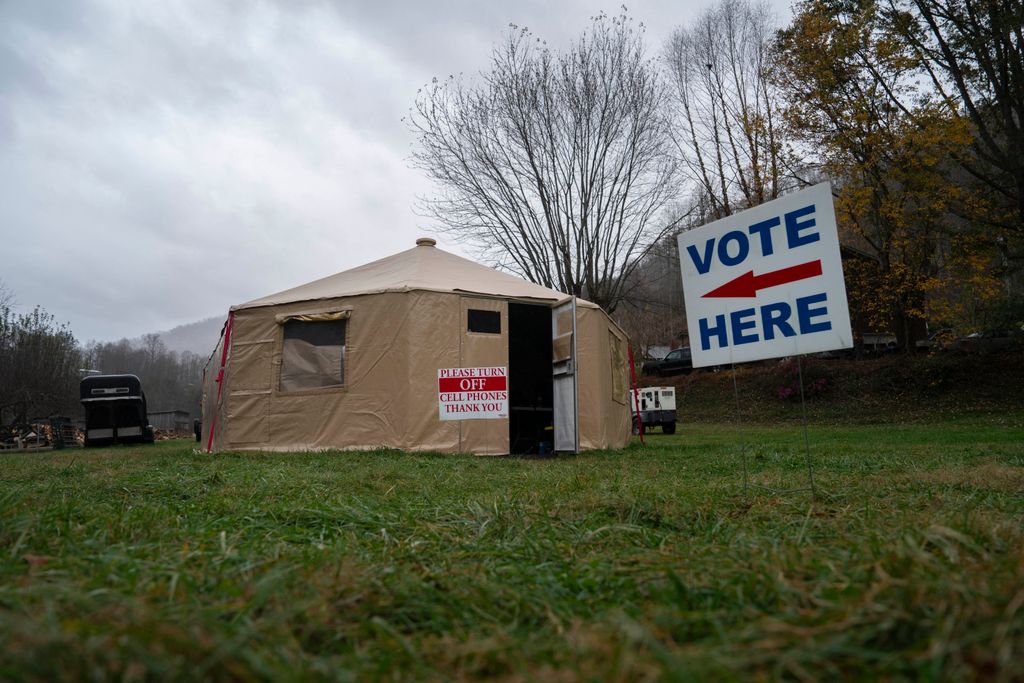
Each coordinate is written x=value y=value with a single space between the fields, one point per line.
x=220 y=378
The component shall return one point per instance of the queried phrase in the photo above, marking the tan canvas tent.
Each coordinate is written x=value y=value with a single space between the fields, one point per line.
x=376 y=357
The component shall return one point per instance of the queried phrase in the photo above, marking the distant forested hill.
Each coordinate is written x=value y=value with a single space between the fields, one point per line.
x=199 y=337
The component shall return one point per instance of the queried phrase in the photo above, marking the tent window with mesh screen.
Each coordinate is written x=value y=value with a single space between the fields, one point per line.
x=313 y=354
x=619 y=360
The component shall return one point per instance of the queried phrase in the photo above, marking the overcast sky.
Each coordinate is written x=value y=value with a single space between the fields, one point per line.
x=161 y=161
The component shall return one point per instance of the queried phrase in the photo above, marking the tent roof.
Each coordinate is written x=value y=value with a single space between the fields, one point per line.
x=424 y=267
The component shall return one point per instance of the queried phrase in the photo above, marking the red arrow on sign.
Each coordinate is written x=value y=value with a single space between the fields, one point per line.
x=746 y=285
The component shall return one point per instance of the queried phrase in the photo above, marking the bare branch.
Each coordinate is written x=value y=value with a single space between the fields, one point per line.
x=555 y=165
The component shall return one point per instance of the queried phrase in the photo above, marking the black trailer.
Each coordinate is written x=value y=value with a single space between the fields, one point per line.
x=115 y=410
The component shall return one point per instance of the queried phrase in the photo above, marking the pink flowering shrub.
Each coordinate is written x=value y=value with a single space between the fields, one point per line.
x=788 y=389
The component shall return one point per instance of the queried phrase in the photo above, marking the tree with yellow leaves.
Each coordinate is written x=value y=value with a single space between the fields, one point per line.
x=855 y=106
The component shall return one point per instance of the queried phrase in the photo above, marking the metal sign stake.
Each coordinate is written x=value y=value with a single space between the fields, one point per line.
x=739 y=426
x=807 y=441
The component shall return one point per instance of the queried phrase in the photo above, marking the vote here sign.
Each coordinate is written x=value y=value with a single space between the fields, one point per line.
x=472 y=393
x=767 y=282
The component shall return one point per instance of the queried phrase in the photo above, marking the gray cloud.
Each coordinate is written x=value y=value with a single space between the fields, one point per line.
x=162 y=161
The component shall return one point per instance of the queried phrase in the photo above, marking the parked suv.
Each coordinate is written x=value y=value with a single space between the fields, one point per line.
x=989 y=341
x=677 y=362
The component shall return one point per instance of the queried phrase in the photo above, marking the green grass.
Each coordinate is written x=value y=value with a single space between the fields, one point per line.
x=646 y=563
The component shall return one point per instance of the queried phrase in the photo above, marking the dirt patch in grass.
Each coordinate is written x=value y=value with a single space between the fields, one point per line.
x=988 y=474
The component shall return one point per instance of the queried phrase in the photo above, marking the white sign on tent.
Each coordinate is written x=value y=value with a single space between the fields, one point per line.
x=472 y=393
x=766 y=282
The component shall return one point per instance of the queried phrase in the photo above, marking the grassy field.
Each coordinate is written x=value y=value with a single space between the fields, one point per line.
x=646 y=563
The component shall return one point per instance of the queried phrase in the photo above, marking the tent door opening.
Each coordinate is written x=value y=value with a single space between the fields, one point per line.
x=564 y=377
x=531 y=402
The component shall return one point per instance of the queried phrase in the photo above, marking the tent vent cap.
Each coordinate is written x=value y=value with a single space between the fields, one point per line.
x=426 y=242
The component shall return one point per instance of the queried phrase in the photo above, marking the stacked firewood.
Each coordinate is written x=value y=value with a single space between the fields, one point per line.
x=33 y=435
x=40 y=435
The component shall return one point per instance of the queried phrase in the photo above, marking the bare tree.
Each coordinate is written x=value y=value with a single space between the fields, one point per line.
x=728 y=130
x=653 y=314
x=6 y=296
x=555 y=165
x=153 y=348
x=39 y=361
